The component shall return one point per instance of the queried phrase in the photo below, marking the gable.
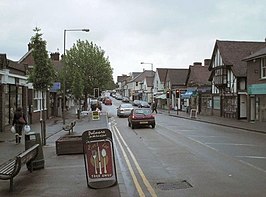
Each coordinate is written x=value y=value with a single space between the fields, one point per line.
x=233 y=53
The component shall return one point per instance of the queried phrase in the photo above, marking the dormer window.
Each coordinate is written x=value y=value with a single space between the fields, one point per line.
x=263 y=68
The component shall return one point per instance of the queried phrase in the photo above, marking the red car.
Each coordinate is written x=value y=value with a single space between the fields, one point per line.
x=141 y=117
x=107 y=101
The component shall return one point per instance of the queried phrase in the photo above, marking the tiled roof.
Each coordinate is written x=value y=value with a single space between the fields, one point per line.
x=121 y=78
x=162 y=73
x=149 y=81
x=258 y=54
x=177 y=76
x=233 y=52
x=199 y=75
x=143 y=75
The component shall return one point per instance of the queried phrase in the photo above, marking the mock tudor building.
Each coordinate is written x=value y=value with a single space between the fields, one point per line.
x=229 y=77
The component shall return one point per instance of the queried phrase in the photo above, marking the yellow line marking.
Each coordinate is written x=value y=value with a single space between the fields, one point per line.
x=135 y=180
x=145 y=180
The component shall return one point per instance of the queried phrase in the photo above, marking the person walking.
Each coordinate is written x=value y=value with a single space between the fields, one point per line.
x=154 y=107
x=19 y=121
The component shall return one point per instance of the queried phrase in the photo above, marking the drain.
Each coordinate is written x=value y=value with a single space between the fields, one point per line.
x=183 y=184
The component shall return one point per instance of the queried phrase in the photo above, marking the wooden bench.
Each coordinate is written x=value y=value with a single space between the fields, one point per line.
x=69 y=127
x=11 y=168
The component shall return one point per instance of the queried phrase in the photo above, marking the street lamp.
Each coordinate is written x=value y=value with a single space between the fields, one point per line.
x=148 y=63
x=64 y=77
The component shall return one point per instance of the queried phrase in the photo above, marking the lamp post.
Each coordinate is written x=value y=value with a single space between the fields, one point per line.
x=148 y=63
x=64 y=77
x=152 y=74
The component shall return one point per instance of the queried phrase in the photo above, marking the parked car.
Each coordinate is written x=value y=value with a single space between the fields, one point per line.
x=124 y=109
x=141 y=117
x=107 y=101
x=144 y=104
x=125 y=99
x=136 y=102
x=95 y=104
x=119 y=97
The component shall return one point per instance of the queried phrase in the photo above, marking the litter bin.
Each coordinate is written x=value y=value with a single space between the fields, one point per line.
x=31 y=139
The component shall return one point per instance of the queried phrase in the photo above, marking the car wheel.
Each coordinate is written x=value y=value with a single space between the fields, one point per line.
x=153 y=126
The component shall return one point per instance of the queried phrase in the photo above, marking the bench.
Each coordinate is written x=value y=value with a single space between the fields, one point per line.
x=70 y=127
x=11 y=168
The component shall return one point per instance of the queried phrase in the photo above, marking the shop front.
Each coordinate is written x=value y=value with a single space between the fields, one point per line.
x=257 y=102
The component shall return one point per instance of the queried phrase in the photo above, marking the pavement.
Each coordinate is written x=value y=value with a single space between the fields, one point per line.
x=64 y=175
x=233 y=123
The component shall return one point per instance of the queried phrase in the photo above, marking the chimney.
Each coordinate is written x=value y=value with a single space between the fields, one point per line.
x=197 y=64
x=29 y=46
x=55 y=56
x=207 y=62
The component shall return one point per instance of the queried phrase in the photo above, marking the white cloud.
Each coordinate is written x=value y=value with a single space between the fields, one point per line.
x=166 y=33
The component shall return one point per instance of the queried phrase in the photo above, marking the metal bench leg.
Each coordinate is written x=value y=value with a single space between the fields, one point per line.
x=11 y=185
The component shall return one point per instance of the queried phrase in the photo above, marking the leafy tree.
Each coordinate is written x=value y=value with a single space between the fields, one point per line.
x=42 y=74
x=93 y=67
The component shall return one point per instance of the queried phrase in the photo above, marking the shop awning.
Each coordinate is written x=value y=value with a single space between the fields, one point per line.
x=163 y=96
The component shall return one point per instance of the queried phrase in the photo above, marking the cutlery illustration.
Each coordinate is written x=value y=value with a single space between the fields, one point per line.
x=104 y=161
x=99 y=160
x=94 y=156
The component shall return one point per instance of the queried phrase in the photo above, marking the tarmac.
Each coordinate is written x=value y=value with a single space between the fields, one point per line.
x=64 y=175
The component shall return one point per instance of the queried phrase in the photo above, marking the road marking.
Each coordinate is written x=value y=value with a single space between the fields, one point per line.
x=145 y=180
x=135 y=180
x=251 y=157
x=231 y=144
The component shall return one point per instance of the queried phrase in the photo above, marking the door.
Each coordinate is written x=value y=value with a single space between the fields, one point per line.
x=252 y=109
x=243 y=106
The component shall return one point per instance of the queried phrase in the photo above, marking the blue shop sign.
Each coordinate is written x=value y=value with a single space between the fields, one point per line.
x=56 y=87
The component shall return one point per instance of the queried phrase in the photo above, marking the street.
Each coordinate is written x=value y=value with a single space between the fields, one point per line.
x=188 y=158
x=179 y=157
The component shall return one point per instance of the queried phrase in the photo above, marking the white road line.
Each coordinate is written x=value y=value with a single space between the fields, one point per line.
x=230 y=144
x=251 y=157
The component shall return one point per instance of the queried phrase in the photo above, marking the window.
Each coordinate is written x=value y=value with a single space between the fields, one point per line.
x=37 y=103
x=263 y=68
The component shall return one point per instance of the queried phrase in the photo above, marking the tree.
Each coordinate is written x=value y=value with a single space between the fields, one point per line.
x=93 y=67
x=77 y=89
x=42 y=74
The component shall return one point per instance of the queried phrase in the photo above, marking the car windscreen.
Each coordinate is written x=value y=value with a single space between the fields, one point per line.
x=143 y=111
x=126 y=106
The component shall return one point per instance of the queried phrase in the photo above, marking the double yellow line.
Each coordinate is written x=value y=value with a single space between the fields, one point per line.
x=121 y=140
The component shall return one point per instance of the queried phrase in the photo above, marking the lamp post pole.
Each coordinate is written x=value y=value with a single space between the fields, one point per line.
x=64 y=70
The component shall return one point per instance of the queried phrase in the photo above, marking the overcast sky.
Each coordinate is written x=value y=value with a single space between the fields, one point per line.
x=167 y=33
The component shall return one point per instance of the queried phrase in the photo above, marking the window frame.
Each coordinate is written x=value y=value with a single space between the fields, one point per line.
x=263 y=68
x=37 y=100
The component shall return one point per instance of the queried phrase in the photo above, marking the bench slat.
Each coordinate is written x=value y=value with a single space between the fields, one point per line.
x=8 y=168
x=11 y=168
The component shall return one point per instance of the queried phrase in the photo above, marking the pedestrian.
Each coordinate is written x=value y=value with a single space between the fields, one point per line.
x=154 y=107
x=19 y=121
